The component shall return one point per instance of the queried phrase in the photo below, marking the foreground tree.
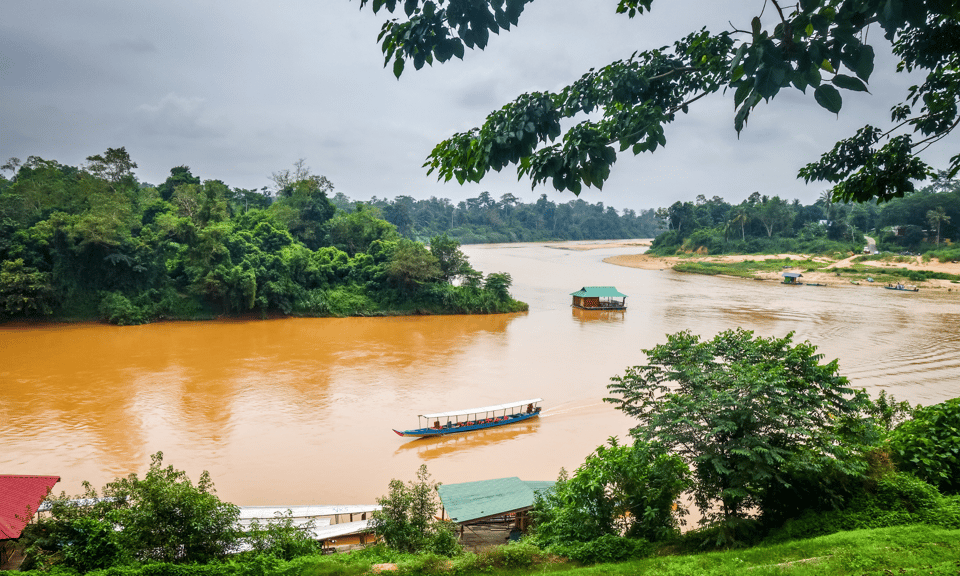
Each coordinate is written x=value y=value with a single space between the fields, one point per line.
x=620 y=490
x=741 y=410
x=817 y=44
x=407 y=520
x=162 y=517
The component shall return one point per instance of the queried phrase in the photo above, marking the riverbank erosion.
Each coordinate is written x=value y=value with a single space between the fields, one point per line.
x=852 y=270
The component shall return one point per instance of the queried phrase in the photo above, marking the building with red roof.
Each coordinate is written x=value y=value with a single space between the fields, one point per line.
x=20 y=497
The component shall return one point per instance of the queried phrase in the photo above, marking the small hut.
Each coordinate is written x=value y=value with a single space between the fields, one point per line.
x=599 y=298
x=792 y=278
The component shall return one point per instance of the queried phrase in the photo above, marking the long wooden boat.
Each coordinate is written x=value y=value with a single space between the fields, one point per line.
x=442 y=423
x=904 y=288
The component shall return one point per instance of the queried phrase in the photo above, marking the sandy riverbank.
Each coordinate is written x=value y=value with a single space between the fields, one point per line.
x=648 y=262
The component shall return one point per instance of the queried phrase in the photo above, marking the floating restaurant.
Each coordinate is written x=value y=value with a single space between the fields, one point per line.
x=599 y=298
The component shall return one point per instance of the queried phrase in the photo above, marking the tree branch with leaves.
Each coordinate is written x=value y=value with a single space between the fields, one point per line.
x=821 y=45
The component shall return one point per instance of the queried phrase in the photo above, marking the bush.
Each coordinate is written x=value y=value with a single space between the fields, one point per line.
x=606 y=549
x=117 y=309
x=162 y=517
x=281 y=539
x=406 y=521
x=523 y=554
x=896 y=499
x=929 y=445
x=619 y=490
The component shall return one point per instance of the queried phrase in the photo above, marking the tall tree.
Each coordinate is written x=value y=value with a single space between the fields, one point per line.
x=822 y=45
x=741 y=411
x=936 y=218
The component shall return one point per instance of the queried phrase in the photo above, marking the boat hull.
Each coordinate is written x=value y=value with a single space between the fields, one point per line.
x=467 y=426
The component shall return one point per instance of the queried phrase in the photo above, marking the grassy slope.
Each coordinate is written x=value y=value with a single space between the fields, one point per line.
x=900 y=550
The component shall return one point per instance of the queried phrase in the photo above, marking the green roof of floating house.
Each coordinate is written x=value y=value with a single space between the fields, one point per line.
x=598 y=292
x=486 y=498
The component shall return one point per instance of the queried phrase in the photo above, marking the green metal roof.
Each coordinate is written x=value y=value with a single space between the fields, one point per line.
x=473 y=500
x=599 y=292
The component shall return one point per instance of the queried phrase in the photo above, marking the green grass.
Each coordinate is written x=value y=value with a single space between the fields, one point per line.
x=858 y=271
x=899 y=550
x=913 y=549
x=884 y=275
x=747 y=268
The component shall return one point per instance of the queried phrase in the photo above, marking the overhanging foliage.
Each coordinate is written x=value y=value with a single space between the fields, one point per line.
x=820 y=45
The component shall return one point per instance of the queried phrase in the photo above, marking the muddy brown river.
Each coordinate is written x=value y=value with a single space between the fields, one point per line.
x=300 y=411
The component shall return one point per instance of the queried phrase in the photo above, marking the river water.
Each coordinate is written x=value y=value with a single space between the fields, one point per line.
x=300 y=411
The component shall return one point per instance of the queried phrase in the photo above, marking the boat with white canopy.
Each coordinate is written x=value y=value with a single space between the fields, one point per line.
x=442 y=423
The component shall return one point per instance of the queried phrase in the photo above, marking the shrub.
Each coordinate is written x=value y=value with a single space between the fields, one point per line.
x=523 y=554
x=281 y=539
x=406 y=521
x=606 y=549
x=929 y=445
x=117 y=309
x=619 y=490
x=896 y=499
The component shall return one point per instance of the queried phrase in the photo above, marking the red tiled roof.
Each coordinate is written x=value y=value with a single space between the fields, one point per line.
x=19 y=498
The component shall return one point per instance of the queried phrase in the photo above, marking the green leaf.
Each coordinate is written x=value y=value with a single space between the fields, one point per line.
x=865 y=62
x=398 y=67
x=737 y=57
x=849 y=83
x=828 y=97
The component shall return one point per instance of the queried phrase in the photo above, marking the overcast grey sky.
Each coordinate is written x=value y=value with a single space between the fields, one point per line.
x=238 y=90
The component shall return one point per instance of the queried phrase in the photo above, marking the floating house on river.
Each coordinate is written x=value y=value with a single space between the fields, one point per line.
x=792 y=278
x=599 y=298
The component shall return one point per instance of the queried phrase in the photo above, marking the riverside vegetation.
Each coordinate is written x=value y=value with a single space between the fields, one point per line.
x=90 y=242
x=790 y=468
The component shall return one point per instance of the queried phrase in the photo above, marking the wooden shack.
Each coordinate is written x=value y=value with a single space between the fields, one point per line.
x=792 y=278
x=599 y=298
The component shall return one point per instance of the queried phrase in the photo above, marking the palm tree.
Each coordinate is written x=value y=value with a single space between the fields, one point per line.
x=936 y=218
x=741 y=216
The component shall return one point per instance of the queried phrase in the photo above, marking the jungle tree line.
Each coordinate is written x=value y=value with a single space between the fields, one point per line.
x=922 y=220
x=486 y=219
x=91 y=241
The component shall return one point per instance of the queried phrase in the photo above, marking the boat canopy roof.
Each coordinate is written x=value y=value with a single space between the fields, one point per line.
x=483 y=409
x=598 y=292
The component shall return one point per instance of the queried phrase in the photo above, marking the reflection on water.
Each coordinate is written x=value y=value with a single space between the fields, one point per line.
x=598 y=315
x=300 y=411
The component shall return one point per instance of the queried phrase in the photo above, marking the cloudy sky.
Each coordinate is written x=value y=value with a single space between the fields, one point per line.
x=238 y=90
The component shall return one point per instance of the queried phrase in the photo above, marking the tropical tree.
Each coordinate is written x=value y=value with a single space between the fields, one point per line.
x=740 y=217
x=452 y=261
x=619 y=490
x=162 y=517
x=406 y=520
x=936 y=218
x=822 y=45
x=773 y=213
x=741 y=411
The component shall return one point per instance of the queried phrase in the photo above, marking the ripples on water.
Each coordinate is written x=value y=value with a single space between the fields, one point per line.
x=299 y=411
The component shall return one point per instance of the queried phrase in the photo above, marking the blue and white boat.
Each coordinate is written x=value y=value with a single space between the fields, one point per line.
x=443 y=423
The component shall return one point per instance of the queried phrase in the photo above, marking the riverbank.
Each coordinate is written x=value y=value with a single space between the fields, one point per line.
x=853 y=270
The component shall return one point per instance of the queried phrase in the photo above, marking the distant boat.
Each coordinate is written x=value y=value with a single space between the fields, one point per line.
x=474 y=418
x=902 y=287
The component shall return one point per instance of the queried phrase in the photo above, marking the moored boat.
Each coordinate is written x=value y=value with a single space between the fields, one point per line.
x=903 y=287
x=474 y=418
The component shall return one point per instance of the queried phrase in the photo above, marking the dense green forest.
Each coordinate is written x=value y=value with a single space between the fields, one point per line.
x=91 y=242
x=484 y=219
x=924 y=221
